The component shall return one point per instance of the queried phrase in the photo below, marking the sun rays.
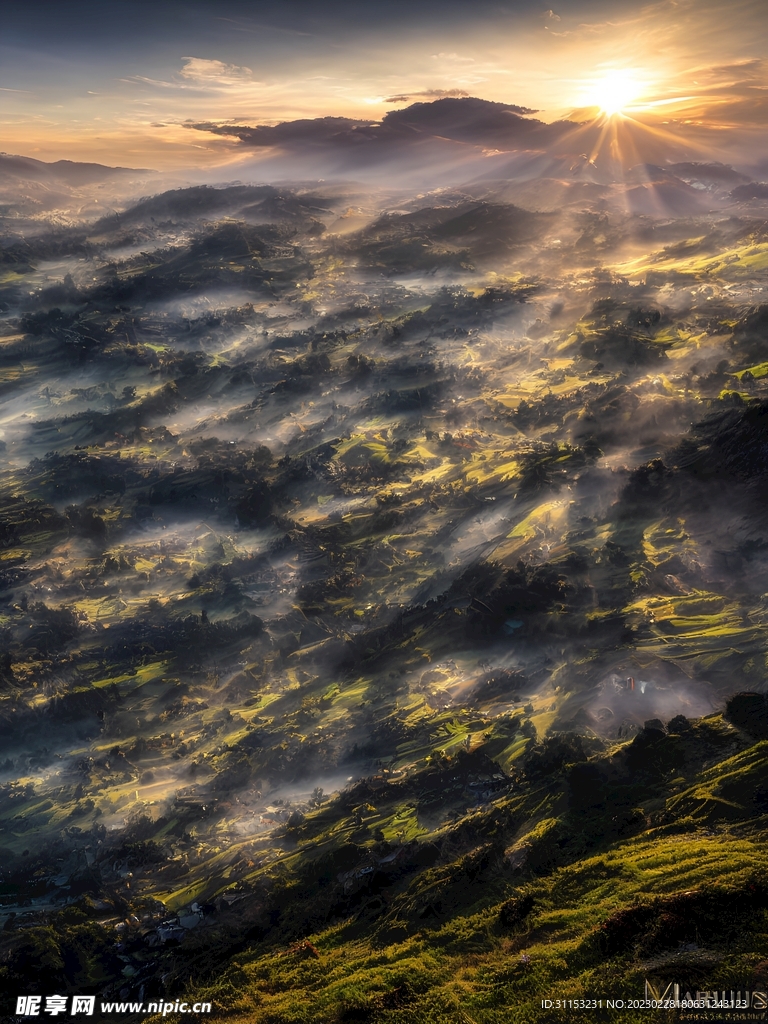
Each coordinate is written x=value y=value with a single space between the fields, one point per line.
x=615 y=90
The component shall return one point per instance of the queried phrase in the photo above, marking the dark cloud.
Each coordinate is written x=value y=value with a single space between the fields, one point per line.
x=453 y=129
x=446 y=140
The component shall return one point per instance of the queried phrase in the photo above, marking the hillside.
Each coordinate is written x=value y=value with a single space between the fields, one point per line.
x=378 y=573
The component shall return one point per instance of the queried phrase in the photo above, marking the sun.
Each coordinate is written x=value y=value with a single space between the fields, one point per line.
x=614 y=91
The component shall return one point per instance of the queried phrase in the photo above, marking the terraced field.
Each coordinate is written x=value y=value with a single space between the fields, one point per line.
x=374 y=602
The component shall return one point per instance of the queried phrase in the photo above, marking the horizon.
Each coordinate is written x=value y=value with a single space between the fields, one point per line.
x=121 y=86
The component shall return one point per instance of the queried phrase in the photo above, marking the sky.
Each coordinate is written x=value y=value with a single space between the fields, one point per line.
x=121 y=82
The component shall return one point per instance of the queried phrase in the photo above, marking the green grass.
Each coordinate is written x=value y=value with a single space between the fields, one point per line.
x=437 y=948
x=470 y=967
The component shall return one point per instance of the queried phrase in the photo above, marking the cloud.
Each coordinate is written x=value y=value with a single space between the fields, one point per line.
x=426 y=94
x=214 y=72
x=453 y=133
x=729 y=96
x=551 y=15
x=455 y=57
x=149 y=81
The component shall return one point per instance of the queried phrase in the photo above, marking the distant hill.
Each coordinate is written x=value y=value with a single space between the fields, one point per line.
x=68 y=172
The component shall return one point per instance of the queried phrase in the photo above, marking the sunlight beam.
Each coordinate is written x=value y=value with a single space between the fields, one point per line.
x=614 y=91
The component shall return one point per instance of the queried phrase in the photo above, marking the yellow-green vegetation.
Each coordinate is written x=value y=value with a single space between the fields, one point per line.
x=369 y=602
x=480 y=938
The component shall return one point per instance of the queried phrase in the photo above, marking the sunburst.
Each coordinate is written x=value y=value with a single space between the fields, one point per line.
x=614 y=91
